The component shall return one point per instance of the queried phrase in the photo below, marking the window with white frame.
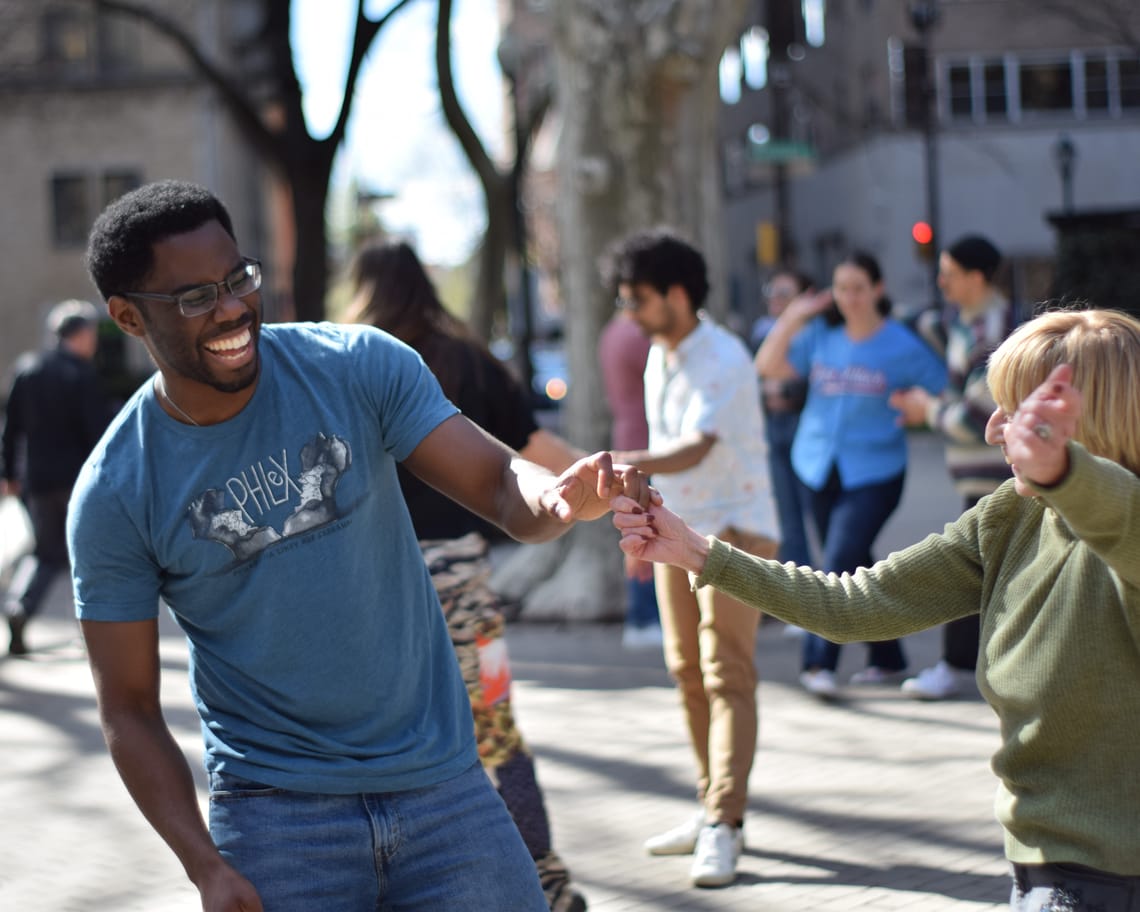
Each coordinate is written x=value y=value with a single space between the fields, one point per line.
x=1013 y=89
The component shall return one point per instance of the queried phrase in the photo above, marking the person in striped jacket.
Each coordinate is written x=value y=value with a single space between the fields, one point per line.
x=978 y=318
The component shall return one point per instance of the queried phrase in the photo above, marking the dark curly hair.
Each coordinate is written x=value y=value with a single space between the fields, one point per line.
x=659 y=257
x=120 y=248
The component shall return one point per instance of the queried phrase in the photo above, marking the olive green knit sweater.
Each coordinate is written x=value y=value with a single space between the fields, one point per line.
x=1056 y=581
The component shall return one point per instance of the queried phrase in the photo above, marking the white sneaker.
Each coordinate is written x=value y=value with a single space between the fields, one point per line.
x=637 y=638
x=718 y=847
x=820 y=682
x=681 y=840
x=936 y=683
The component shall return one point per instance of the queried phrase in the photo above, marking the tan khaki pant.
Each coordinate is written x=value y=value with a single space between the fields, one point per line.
x=709 y=644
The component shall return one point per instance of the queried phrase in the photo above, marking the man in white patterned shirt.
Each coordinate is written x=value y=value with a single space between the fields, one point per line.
x=708 y=457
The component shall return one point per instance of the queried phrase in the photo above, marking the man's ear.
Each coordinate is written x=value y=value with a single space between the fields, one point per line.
x=126 y=316
x=678 y=298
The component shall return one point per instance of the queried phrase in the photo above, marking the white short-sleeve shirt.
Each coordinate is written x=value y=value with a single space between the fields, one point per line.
x=707 y=384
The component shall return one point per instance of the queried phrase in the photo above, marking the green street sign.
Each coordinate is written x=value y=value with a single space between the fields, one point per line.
x=779 y=151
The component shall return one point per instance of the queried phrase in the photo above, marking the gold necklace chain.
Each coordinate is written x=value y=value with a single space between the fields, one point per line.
x=160 y=385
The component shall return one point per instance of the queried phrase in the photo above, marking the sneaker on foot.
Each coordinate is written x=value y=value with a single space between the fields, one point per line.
x=873 y=674
x=681 y=840
x=714 y=862
x=820 y=682
x=935 y=683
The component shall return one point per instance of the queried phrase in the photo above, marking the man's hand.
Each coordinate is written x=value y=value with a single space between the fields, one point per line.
x=658 y=534
x=225 y=890
x=584 y=491
x=913 y=405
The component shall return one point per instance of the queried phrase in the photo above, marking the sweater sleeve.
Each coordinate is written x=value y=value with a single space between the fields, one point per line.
x=1099 y=500
x=932 y=582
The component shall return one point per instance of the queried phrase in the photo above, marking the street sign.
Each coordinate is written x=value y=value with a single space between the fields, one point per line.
x=780 y=151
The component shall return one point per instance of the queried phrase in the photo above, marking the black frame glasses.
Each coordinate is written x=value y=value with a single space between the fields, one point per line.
x=195 y=302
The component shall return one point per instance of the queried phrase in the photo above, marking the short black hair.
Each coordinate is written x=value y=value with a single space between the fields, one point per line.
x=659 y=257
x=975 y=252
x=120 y=248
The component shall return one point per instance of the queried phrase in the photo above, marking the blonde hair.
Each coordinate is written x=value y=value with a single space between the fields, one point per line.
x=1103 y=348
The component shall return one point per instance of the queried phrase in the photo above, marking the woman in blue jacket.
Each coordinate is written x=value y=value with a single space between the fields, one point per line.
x=850 y=450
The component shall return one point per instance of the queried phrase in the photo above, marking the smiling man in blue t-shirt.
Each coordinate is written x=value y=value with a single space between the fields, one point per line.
x=251 y=485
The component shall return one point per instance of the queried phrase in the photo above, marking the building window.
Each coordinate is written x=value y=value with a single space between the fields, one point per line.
x=71 y=212
x=961 y=92
x=1046 y=87
x=116 y=183
x=994 y=89
x=1096 y=85
x=67 y=40
x=77 y=197
x=1078 y=85
x=1129 y=70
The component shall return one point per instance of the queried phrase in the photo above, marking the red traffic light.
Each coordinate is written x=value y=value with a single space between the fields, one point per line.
x=922 y=233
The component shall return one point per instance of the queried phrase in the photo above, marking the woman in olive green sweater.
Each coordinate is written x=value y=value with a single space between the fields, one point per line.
x=1051 y=561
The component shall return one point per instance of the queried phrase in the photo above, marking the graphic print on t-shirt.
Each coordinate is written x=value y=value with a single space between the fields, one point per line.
x=850 y=380
x=234 y=516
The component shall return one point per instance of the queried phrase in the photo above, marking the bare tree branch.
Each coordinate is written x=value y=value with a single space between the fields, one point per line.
x=363 y=35
x=453 y=111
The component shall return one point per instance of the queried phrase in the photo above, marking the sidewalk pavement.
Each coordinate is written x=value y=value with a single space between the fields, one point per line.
x=873 y=802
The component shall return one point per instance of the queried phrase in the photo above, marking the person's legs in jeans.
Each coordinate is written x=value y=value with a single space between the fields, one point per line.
x=1072 y=888
x=819 y=654
x=459 y=570
x=960 y=637
x=857 y=517
x=786 y=486
x=434 y=849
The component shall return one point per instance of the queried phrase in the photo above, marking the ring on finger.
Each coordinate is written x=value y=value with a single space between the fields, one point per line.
x=1043 y=430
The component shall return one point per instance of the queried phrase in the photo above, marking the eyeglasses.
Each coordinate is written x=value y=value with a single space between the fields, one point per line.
x=243 y=281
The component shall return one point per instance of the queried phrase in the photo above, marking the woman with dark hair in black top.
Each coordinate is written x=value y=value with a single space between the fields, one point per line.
x=393 y=292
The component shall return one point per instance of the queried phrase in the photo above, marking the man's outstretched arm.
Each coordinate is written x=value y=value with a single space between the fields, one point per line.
x=525 y=500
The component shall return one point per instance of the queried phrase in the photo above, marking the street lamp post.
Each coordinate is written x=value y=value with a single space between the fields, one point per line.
x=924 y=16
x=1065 y=153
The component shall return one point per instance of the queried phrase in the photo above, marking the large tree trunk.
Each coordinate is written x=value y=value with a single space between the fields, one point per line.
x=490 y=296
x=638 y=98
x=311 y=266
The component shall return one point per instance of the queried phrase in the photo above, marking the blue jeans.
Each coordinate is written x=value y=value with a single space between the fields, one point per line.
x=1072 y=888
x=435 y=849
x=787 y=487
x=848 y=521
x=641 y=603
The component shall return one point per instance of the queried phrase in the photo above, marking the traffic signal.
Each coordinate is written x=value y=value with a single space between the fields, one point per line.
x=923 y=236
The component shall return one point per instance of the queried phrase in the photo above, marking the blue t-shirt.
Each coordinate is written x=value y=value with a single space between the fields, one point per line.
x=319 y=656
x=846 y=422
